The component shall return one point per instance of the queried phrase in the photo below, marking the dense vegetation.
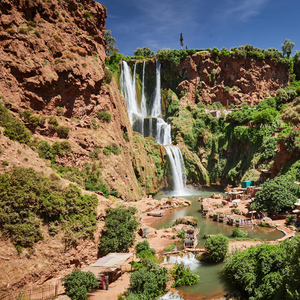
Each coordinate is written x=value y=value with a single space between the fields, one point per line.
x=149 y=279
x=28 y=199
x=119 y=231
x=276 y=195
x=78 y=284
x=216 y=247
x=183 y=276
x=13 y=128
x=266 y=271
x=229 y=147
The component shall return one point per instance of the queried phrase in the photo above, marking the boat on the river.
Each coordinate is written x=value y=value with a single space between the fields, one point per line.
x=155 y=213
x=191 y=240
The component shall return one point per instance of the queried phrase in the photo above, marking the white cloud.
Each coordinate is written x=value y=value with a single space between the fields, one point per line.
x=242 y=10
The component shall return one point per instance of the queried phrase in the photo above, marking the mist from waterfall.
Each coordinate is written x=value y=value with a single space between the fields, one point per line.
x=153 y=124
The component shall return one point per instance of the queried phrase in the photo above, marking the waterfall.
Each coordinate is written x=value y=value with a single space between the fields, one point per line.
x=127 y=84
x=188 y=260
x=152 y=125
x=143 y=99
x=171 y=296
x=178 y=169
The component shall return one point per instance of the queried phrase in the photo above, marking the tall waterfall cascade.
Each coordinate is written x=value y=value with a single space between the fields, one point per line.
x=146 y=118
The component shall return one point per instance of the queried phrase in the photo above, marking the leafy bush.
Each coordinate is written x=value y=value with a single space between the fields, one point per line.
x=27 y=198
x=63 y=131
x=13 y=128
x=266 y=271
x=183 y=275
x=119 y=232
x=172 y=56
x=264 y=116
x=53 y=121
x=78 y=284
x=147 y=283
x=144 y=251
x=114 y=148
x=268 y=148
x=217 y=247
x=276 y=195
x=237 y=232
x=104 y=116
x=145 y=52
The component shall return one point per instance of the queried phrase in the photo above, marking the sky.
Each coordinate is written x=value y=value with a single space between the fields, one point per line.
x=157 y=24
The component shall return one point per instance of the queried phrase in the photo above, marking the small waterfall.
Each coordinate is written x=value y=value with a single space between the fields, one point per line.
x=152 y=125
x=189 y=260
x=178 y=169
x=171 y=296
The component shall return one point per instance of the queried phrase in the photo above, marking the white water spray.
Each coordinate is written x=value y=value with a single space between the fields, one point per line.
x=189 y=260
x=157 y=127
x=178 y=169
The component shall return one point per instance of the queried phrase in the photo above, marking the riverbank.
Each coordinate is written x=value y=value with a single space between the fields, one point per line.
x=160 y=239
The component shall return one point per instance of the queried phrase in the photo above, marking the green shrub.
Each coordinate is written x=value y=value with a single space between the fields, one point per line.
x=53 y=121
x=237 y=232
x=60 y=111
x=266 y=271
x=114 y=148
x=13 y=128
x=183 y=275
x=28 y=198
x=78 y=284
x=143 y=250
x=5 y=163
x=276 y=194
x=147 y=283
x=63 y=131
x=217 y=247
x=181 y=234
x=104 y=116
x=119 y=230
x=108 y=75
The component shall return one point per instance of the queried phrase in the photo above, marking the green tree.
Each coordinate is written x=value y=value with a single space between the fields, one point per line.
x=287 y=47
x=119 y=232
x=148 y=283
x=78 y=284
x=258 y=272
x=267 y=115
x=145 y=52
x=217 y=248
x=183 y=275
x=181 y=40
x=275 y=195
x=111 y=48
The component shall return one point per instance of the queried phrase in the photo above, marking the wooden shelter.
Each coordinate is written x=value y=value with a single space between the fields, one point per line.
x=109 y=265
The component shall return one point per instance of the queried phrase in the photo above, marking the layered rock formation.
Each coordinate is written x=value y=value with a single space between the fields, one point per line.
x=229 y=79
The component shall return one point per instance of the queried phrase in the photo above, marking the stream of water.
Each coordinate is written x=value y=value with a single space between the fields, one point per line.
x=212 y=283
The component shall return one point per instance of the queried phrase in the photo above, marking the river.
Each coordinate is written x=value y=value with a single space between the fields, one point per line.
x=212 y=283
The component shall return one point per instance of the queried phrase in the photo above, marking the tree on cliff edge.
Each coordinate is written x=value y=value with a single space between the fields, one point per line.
x=181 y=40
x=287 y=47
x=111 y=48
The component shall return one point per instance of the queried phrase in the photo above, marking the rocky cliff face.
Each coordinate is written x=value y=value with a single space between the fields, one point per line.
x=54 y=80
x=229 y=79
x=52 y=64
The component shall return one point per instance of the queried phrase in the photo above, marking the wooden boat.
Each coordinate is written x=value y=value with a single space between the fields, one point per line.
x=155 y=213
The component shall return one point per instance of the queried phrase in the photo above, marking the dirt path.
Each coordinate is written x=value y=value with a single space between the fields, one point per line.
x=115 y=289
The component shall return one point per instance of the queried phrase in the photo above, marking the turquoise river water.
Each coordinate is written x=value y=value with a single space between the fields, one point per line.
x=212 y=283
